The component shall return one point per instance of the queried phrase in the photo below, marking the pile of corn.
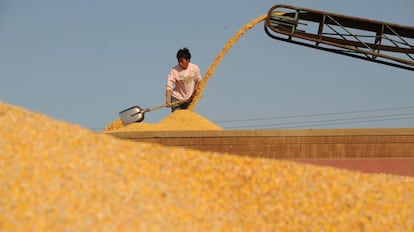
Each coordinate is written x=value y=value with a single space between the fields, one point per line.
x=55 y=176
x=178 y=120
x=114 y=125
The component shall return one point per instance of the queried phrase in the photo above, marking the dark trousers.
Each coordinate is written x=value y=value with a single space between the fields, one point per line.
x=181 y=106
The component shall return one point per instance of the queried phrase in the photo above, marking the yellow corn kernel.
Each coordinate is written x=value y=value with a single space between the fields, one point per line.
x=55 y=176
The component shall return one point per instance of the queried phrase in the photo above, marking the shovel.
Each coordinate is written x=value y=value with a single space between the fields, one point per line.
x=136 y=114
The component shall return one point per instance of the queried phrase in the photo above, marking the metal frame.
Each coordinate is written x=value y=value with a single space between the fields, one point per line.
x=371 y=40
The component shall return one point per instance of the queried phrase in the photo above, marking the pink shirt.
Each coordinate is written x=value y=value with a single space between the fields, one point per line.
x=182 y=81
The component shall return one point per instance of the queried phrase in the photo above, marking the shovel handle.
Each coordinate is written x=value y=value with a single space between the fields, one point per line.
x=165 y=105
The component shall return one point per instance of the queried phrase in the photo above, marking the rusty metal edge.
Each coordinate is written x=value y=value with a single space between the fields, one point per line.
x=262 y=133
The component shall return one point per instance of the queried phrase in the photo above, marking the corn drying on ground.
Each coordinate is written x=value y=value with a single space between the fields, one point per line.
x=178 y=120
x=55 y=176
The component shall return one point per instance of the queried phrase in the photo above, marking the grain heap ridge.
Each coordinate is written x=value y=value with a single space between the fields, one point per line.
x=55 y=176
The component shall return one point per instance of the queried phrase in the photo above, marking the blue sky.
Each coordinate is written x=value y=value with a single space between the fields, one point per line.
x=84 y=61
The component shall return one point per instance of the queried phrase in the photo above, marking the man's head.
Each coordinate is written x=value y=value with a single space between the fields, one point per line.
x=183 y=57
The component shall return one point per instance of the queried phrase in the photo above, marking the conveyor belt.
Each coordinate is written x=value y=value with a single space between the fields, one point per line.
x=376 y=41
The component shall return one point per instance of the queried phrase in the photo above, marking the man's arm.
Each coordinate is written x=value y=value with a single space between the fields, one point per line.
x=197 y=83
x=168 y=96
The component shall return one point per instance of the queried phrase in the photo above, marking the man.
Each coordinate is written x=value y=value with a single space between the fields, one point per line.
x=182 y=82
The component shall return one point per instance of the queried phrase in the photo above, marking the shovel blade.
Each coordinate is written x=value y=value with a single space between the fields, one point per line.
x=131 y=115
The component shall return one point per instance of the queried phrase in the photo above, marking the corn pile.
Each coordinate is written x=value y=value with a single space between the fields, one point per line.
x=114 y=125
x=220 y=56
x=55 y=176
x=178 y=120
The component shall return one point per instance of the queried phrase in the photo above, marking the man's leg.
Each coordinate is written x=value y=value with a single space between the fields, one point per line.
x=181 y=106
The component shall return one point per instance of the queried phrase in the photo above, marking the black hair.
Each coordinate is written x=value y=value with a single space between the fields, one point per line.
x=184 y=53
